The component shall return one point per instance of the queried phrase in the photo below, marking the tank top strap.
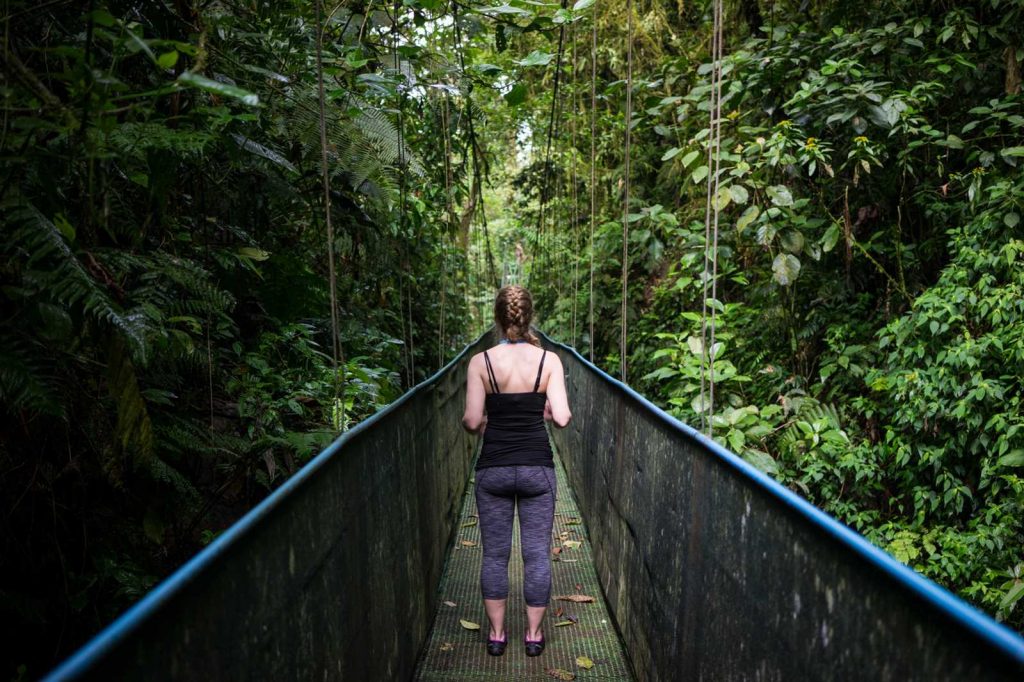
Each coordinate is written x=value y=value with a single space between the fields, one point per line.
x=540 y=370
x=490 y=373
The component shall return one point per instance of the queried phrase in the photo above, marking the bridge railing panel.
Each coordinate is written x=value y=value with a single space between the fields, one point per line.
x=713 y=571
x=333 y=576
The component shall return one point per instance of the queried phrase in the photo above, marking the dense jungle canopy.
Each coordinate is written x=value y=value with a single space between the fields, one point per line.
x=170 y=353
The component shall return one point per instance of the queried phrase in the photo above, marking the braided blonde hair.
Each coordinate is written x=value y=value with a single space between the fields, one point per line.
x=513 y=311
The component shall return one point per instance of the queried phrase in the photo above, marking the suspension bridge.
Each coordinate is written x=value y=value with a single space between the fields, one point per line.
x=363 y=565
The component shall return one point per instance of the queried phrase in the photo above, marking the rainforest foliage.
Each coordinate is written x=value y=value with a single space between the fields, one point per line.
x=167 y=354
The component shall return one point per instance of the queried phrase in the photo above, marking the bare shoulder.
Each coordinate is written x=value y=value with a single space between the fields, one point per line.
x=554 y=359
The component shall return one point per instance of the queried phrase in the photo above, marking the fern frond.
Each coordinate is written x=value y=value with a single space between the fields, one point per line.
x=53 y=270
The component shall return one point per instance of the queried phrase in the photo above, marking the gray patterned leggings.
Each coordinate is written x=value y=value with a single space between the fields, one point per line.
x=498 y=489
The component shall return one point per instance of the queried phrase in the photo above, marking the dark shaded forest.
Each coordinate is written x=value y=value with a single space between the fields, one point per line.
x=234 y=228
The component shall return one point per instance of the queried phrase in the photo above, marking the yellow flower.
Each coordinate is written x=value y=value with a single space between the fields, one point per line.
x=860 y=139
x=785 y=123
x=812 y=143
x=733 y=115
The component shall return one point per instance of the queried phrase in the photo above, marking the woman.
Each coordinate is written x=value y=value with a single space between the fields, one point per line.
x=520 y=385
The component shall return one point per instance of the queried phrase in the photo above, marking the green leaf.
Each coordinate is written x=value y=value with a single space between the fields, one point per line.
x=749 y=216
x=689 y=157
x=699 y=173
x=582 y=5
x=168 y=59
x=516 y=96
x=780 y=195
x=722 y=198
x=739 y=193
x=792 y=240
x=1012 y=151
x=218 y=88
x=536 y=58
x=103 y=18
x=761 y=460
x=1014 y=458
x=1011 y=219
x=696 y=345
x=469 y=625
x=831 y=238
x=506 y=9
x=785 y=269
x=671 y=153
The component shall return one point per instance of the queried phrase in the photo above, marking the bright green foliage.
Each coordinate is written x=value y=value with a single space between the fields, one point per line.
x=869 y=269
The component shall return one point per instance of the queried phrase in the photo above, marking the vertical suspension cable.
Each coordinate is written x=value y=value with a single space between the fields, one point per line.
x=711 y=211
x=402 y=162
x=719 y=9
x=326 y=178
x=547 y=153
x=625 y=201
x=575 y=198
x=593 y=167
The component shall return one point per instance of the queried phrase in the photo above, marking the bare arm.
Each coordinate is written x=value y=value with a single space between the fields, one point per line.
x=558 y=400
x=474 y=420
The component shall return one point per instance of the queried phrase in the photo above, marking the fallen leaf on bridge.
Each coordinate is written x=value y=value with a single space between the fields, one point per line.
x=560 y=674
x=469 y=524
x=469 y=625
x=563 y=623
x=584 y=662
x=449 y=603
x=468 y=543
x=578 y=598
x=447 y=646
x=572 y=544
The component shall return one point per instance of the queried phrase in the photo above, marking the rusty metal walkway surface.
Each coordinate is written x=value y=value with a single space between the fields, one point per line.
x=573 y=630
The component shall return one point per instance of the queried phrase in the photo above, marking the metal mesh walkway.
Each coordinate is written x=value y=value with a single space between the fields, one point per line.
x=455 y=653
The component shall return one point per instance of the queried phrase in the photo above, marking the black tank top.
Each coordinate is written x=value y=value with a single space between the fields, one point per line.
x=515 y=433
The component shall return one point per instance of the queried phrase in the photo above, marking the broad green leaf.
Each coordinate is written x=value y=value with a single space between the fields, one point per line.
x=696 y=345
x=671 y=153
x=749 y=216
x=103 y=18
x=505 y=9
x=761 y=460
x=516 y=96
x=722 y=198
x=831 y=238
x=780 y=195
x=1014 y=458
x=1011 y=219
x=792 y=240
x=218 y=88
x=688 y=157
x=536 y=58
x=785 y=268
x=1012 y=151
x=582 y=5
x=699 y=173
x=739 y=193
x=168 y=59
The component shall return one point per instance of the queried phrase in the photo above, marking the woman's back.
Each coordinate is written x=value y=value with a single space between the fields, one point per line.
x=515 y=367
x=515 y=432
